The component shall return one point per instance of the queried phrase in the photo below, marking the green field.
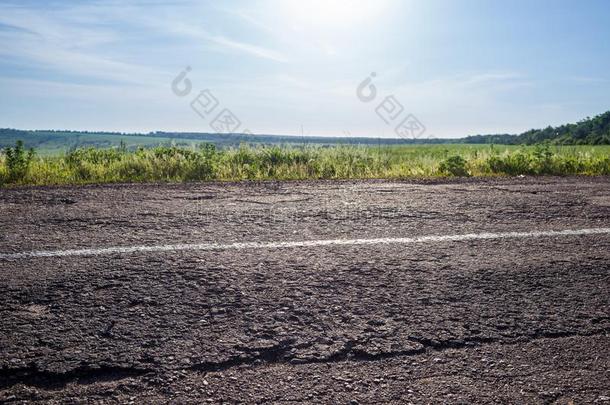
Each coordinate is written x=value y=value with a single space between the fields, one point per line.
x=589 y=131
x=206 y=162
x=55 y=143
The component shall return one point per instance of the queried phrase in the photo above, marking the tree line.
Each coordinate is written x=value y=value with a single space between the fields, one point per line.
x=590 y=131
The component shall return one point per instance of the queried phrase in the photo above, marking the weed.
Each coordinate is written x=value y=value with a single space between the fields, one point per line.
x=206 y=162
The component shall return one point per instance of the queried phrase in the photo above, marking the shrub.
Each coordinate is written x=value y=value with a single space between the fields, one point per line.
x=454 y=166
x=88 y=163
x=543 y=160
x=94 y=156
x=200 y=168
x=134 y=169
x=208 y=150
x=17 y=161
x=512 y=164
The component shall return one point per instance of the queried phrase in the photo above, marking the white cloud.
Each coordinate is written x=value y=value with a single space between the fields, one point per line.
x=249 y=49
x=50 y=41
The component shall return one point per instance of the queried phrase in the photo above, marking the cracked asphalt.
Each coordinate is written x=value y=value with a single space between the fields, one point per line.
x=479 y=321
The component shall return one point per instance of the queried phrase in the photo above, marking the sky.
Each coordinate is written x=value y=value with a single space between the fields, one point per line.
x=300 y=67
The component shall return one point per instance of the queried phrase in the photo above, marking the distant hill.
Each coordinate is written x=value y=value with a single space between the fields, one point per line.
x=590 y=131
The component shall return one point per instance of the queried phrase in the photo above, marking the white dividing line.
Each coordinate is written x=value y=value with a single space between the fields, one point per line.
x=308 y=243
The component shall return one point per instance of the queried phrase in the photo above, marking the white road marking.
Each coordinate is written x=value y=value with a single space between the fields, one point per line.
x=296 y=244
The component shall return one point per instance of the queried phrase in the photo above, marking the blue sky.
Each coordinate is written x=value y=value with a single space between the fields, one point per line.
x=461 y=67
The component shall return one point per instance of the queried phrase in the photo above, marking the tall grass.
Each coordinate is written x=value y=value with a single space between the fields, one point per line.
x=173 y=164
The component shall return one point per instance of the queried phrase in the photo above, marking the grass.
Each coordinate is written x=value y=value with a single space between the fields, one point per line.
x=175 y=164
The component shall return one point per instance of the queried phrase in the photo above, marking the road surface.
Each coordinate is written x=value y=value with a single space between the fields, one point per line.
x=453 y=291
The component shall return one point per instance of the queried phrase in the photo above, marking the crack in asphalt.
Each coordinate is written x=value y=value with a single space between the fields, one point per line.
x=33 y=376
x=279 y=353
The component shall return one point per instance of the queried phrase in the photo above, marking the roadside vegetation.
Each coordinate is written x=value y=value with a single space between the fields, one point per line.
x=19 y=166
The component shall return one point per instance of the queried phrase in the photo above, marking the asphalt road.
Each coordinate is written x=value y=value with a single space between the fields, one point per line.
x=464 y=291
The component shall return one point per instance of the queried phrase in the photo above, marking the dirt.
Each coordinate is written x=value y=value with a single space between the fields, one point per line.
x=479 y=321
